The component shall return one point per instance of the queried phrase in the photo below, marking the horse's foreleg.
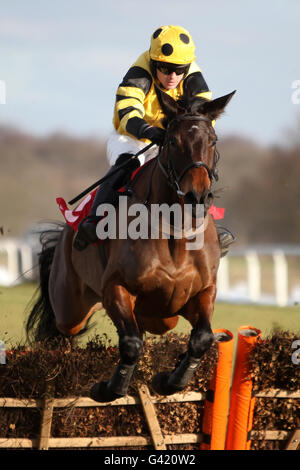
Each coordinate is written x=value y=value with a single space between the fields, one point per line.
x=119 y=304
x=198 y=311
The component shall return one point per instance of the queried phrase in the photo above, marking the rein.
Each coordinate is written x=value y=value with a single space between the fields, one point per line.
x=170 y=172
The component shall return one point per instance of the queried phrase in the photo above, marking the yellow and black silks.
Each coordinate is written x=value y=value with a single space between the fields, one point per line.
x=137 y=104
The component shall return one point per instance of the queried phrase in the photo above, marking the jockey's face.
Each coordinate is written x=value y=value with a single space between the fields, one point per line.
x=171 y=81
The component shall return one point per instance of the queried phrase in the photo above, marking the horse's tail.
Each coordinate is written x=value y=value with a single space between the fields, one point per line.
x=40 y=324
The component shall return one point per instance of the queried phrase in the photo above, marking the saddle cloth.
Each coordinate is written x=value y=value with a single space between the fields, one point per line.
x=73 y=217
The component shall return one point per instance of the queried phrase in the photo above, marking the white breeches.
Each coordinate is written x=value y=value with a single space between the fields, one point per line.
x=118 y=143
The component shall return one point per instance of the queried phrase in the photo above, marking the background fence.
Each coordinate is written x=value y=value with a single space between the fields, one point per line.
x=260 y=274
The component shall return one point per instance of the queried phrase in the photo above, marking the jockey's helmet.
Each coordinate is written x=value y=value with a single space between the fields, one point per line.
x=172 y=44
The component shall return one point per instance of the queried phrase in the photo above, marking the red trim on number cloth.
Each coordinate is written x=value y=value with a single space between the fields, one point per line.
x=75 y=216
x=217 y=212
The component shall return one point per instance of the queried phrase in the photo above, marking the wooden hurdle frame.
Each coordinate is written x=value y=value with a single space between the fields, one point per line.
x=293 y=437
x=155 y=438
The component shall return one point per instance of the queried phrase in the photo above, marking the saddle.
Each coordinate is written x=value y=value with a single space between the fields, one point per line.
x=73 y=217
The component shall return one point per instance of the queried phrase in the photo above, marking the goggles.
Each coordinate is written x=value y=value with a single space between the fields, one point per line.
x=167 y=69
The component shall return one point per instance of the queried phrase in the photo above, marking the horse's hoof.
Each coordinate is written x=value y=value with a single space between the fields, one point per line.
x=161 y=386
x=100 y=392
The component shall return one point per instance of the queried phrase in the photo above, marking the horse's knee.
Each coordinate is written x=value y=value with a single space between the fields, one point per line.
x=200 y=341
x=130 y=349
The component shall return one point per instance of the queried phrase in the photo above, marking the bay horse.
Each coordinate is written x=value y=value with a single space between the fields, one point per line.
x=145 y=284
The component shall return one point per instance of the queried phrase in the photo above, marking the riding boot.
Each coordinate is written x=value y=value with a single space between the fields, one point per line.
x=106 y=193
x=226 y=238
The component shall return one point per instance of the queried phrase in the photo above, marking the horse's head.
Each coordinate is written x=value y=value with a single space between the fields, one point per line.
x=189 y=156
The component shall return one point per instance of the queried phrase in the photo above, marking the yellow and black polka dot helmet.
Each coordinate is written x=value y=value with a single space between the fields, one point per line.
x=172 y=44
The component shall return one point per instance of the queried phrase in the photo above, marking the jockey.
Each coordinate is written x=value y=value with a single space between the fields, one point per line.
x=170 y=64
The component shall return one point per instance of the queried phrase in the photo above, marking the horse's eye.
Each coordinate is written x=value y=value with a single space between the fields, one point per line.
x=173 y=141
x=213 y=143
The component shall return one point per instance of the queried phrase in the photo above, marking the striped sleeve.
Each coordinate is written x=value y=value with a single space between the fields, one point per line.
x=196 y=90
x=130 y=98
x=196 y=87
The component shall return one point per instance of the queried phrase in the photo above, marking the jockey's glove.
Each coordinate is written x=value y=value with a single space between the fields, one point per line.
x=155 y=134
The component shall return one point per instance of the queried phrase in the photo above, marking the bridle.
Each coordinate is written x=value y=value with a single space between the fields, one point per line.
x=173 y=178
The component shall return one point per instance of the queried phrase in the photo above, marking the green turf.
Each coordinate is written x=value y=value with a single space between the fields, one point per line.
x=13 y=301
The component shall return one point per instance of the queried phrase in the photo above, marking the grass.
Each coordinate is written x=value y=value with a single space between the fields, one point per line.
x=13 y=301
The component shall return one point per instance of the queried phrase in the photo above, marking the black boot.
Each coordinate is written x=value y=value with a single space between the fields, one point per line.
x=106 y=193
x=226 y=238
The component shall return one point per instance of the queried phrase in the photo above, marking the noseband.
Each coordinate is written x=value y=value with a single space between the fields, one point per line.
x=171 y=174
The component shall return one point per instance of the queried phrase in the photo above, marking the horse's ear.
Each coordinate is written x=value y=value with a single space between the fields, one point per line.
x=169 y=106
x=216 y=107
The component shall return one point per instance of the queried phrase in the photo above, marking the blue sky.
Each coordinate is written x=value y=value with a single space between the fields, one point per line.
x=63 y=60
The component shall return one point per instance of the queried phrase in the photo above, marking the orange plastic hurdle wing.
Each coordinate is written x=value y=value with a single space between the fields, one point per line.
x=242 y=402
x=216 y=404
